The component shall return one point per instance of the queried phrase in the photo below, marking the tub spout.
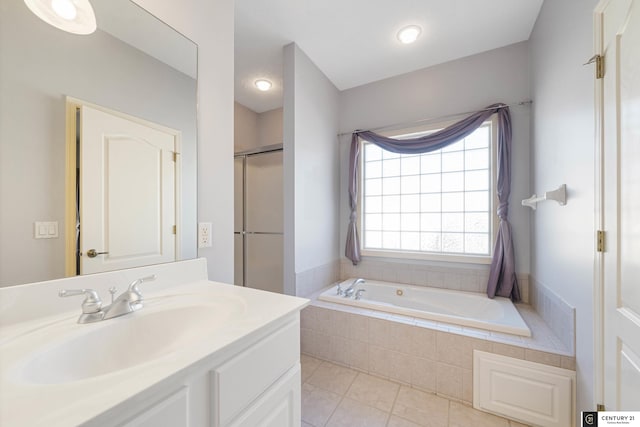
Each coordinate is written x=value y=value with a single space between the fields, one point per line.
x=348 y=293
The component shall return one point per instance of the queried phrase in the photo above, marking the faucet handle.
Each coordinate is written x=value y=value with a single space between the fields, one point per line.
x=133 y=287
x=359 y=293
x=92 y=302
x=339 y=290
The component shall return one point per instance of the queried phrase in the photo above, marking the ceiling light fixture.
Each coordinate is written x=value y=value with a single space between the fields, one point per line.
x=263 y=85
x=409 y=34
x=72 y=16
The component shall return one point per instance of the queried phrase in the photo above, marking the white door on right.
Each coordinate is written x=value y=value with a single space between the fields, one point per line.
x=618 y=27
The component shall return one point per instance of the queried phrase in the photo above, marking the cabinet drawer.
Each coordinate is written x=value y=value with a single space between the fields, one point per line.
x=278 y=407
x=171 y=411
x=240 y=381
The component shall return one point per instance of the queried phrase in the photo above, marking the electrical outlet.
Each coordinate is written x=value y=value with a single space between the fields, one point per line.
x=204 y=235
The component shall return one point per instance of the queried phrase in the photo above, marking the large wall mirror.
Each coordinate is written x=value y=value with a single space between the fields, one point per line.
x=134 y=66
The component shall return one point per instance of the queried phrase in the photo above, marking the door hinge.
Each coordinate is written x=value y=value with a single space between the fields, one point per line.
x=599 y=61
x=175 y=156
x=174 y=229
x=600 y=407
x=600 y=241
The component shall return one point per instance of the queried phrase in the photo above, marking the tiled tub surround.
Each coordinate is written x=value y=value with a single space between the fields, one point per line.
x=556 y=313
x=426 y=355
x=459 y=277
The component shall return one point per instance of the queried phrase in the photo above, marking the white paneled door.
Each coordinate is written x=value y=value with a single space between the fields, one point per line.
x=618 y=39
x=127 y=192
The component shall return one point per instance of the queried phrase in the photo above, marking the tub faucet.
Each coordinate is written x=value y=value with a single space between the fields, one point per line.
x=359 y=293
x=348 y=293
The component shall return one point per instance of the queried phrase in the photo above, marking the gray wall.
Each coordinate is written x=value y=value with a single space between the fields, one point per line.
x=563 y=153
x=254 y=130
x=40 y=65
x=311 y=166
x=463 y=85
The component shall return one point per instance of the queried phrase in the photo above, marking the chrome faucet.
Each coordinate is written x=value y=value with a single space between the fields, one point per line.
x=92 y=309
x=352 y=288
x=359 y=294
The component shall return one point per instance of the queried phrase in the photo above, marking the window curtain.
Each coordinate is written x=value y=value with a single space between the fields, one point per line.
x=502 y=276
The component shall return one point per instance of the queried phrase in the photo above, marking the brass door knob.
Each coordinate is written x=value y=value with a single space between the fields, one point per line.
x=92 y=253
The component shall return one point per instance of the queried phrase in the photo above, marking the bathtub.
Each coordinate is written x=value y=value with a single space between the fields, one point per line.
x=440 y=305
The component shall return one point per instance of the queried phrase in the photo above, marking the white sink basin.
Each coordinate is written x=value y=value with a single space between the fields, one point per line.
x=110 y=346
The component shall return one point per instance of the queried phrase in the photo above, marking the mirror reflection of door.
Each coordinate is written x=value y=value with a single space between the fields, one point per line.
x=127 y=191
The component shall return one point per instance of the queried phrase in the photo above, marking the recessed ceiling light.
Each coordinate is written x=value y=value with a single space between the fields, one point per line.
x=72 y=16
x=263 y=84
x=409 y=34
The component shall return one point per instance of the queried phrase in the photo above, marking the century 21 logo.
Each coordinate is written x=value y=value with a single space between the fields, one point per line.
x=590 y=419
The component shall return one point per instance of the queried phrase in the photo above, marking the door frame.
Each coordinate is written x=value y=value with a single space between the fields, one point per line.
x=598 y=270
x=72 y=105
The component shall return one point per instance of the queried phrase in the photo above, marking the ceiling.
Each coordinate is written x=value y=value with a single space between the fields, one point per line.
x=354 y=42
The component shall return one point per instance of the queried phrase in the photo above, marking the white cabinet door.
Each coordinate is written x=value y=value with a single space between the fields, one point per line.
x=170 y=412
x=278 y=407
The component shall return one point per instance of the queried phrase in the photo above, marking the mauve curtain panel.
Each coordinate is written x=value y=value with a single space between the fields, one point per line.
x=502 y=276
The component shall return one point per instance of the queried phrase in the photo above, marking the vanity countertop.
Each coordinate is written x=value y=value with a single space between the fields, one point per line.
x=56 y=372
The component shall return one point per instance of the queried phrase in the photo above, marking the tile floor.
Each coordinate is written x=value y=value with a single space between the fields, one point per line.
x=335 y=396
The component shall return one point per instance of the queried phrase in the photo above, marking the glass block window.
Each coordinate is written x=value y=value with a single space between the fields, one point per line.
x=434 y=203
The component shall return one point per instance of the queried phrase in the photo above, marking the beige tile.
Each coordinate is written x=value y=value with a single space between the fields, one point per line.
x=400 y=367
x=449 y=381
x=423 y=373
x=340 y=323
x=400 y=337
x=461 y=415
x=395 y=421
x=516 y=424
x=568 y=362
x=508 y=350
x=423 y=342
x=467 y=385
x=542 y=357
x=379 y=332
x=351 y=413
x=359 y=355
x=333 y=378
x=322 y=346
x=317 y=404
x=308 y=318
x=307 y=341
x=340 y=350
x=379 y=361
x=324 y=320
x=358 y=328
x=373 y=391
x=309 y=365
x=424 y=409
x=450 y=349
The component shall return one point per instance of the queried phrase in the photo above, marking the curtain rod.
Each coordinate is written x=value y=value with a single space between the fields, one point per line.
x=448 y=116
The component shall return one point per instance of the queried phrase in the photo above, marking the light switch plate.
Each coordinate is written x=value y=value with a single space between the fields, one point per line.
x=45 y=229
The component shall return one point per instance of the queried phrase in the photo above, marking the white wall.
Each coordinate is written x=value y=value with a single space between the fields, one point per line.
x=245 y=125
x=209 y=23
x=310 y=166
x=459 y=86
x=563 y=152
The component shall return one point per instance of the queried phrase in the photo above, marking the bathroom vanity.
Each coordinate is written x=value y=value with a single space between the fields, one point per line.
x=199 y=353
